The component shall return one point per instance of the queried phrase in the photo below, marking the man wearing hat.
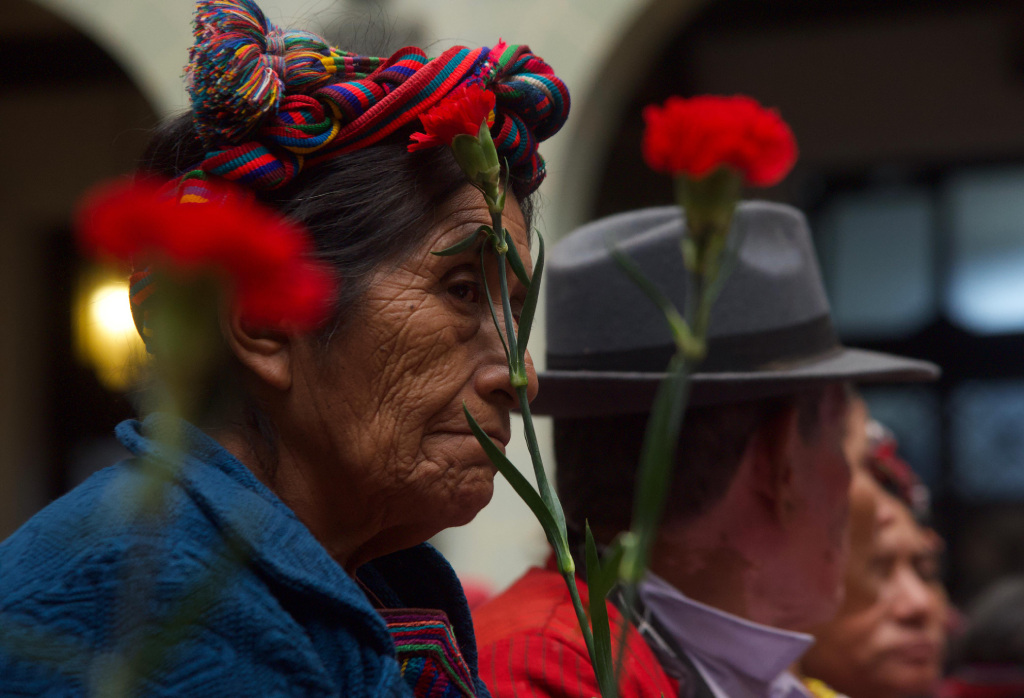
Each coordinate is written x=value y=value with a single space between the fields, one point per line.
x=751 y=548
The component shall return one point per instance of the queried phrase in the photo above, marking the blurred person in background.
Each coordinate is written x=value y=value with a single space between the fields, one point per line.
x=888 y=640
x=988 y=658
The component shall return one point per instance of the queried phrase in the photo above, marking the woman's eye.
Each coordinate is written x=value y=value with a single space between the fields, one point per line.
x=882 y=566
x=465 y=291
x=928 y=567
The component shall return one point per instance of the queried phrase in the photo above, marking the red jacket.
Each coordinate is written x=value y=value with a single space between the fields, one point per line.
x=531 y=645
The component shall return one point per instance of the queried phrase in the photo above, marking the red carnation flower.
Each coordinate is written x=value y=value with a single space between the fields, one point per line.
x=694 y=137
x=461 y=112
x=263 y=258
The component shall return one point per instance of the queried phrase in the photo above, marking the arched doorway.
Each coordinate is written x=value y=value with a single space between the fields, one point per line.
x=70 y=117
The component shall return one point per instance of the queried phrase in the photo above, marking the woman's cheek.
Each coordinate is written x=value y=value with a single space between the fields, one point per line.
x=435 y=342
x=463 y=322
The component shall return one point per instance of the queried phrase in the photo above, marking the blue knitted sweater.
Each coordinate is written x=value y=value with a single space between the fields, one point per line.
x=222 y=592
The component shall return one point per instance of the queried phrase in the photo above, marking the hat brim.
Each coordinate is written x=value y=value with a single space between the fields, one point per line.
x=566 y=393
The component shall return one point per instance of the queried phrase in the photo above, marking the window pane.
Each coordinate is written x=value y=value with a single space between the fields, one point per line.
x=876 y=252
x=913 y=415
x=986 y=217
x=987 y=422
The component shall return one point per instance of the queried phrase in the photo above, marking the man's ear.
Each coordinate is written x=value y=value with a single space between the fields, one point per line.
x=267 y=354
x=775 y=447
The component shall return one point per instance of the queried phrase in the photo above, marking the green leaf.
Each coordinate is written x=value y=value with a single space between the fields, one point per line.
x=598 y=607
x=530 y=304
x=680 y=329
x=515 y=478
x=465 y=244
x=516 y=262
x=611 y=560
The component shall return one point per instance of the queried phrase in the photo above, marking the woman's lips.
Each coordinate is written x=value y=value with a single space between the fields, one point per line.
x=502 y=436
x=918 y=652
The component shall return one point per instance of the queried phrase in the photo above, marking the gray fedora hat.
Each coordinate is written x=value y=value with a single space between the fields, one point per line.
x=770 y=333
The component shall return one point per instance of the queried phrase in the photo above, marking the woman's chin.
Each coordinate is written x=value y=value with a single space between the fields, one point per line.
x=471 y=499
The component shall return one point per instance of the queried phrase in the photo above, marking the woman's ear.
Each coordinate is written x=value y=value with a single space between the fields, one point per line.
x=265 y=353
x=775 y=449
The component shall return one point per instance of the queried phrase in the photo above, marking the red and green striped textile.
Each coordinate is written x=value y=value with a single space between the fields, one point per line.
x=428 y=653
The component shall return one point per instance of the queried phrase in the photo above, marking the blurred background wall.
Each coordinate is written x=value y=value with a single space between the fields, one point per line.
x=910 y=117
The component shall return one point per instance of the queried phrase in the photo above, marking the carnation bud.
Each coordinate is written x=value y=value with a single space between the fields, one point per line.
x=709 y=203
x=478 y=158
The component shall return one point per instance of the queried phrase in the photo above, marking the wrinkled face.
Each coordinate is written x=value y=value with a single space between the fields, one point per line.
x=889 y=639
x=864 y=491
x=380 y=432
x=816 y=544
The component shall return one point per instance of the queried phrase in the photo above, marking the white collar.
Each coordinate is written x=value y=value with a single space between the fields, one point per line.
x=742 y=657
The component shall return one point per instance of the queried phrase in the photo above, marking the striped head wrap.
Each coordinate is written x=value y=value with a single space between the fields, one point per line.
x=269 y=102
x=894 y=474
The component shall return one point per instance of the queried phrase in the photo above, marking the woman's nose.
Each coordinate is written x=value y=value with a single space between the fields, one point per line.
x=493 y=378
x=913 y=599
x=493 y=384
x=531 y=375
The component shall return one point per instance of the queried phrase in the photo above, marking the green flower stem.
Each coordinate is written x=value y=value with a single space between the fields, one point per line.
x=559 y=537
x=657 y=462
x=708 y=205
x=553 y=522
x=501 y=245
x=190 y=353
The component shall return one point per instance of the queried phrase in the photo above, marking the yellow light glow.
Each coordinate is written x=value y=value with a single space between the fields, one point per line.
x=105 y=336
x=111 y=314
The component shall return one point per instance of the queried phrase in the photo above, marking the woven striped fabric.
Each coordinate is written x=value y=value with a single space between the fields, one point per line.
x=269 y=102
x=140 y=290
x=428 y=653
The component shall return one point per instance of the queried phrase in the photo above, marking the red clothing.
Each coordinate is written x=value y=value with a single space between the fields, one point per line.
x=530 y=645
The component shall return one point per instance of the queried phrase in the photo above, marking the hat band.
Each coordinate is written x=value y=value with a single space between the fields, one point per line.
x=751 y=351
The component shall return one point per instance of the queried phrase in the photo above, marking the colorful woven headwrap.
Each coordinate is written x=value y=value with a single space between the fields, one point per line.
x=894 y=474
x=270 y=102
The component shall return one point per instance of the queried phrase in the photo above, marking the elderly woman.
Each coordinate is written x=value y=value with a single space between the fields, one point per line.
x=286 y=555
x=888 y=640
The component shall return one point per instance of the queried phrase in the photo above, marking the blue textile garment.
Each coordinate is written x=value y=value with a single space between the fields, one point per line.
x=259 y=607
